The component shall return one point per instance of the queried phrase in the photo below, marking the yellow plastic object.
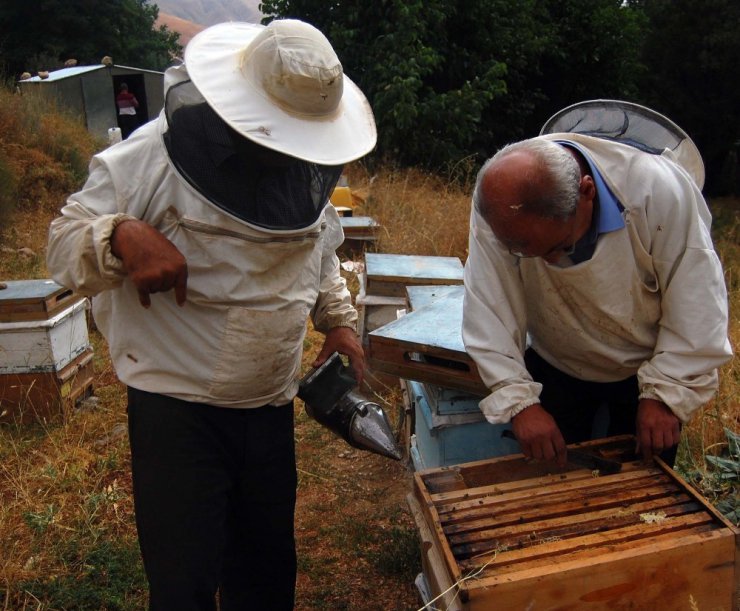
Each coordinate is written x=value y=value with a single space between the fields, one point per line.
x=342 y=197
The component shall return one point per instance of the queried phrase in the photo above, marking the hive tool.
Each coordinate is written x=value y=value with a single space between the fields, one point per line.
x=330 y=398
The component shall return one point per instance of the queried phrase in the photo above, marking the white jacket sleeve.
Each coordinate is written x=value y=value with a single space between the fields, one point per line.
x=692 y=338
x=494 y=324
x=78 y=252
x=334 y=304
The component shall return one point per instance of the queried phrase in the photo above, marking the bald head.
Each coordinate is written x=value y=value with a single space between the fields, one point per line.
x=534 y=177
x=537 y=198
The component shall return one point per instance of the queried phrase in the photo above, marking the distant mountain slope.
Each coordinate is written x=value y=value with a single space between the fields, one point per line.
x=209 y=12
x=186 y=29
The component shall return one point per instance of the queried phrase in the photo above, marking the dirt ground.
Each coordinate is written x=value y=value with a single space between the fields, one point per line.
x=357 y=543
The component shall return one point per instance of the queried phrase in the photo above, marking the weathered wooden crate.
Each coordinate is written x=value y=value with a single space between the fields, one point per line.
x=360 y=233
x=38 y=396
x=510 y=534
x=46 y=361
x=22 y=300
x=390 y=274
x=40 y=346
x=376 y=310
x=426 y=345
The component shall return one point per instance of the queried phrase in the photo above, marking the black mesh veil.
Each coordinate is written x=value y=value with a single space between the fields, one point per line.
x=631 y=124
x=254 y=184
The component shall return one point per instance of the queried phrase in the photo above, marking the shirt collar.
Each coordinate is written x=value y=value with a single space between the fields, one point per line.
x=609 y=216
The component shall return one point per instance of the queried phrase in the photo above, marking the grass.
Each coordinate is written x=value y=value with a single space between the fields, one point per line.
x=67 y=530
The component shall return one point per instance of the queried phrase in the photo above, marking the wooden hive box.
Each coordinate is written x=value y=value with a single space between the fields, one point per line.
x=443 y=400
x=426 y=345
x=33 y=300
x=507 y=534
x=47 y=359
x=360 y=227
x=389 y=274
x=446 y=437
x=38 y=396
x=360 y=232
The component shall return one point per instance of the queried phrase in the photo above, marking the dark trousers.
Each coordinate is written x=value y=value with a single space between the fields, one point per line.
x=575 y=404
x=127 y=123
x=214 y=494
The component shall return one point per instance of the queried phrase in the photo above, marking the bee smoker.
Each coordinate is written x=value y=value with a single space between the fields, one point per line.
x=328 y=394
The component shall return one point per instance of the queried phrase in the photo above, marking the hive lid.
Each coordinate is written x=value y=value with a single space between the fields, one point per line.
x=33 y=299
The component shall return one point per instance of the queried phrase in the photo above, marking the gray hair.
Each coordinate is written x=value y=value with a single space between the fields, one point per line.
x=551 y=191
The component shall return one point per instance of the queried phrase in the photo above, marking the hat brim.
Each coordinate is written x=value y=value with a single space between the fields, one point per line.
x=212 y=61
x=589 y=117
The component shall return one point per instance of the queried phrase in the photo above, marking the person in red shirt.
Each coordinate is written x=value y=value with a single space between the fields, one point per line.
x=127 y=105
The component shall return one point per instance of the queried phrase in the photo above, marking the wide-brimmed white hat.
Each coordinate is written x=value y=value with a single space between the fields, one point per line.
x=283 y=87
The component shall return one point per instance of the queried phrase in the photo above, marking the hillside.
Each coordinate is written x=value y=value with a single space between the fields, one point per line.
x=207 y=12
x=186 y=29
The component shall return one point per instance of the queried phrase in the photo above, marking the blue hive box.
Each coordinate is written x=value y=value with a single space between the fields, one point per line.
x=442 y=438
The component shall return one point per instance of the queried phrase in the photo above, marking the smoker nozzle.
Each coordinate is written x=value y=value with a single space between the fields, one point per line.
x=327 y=393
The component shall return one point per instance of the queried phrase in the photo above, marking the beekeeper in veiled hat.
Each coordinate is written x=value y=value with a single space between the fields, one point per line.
x=207 y=240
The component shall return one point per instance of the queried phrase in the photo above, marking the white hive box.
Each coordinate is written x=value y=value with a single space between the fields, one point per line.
x=46 y=354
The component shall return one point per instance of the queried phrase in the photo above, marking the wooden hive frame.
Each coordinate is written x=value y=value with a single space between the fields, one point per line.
x=505 y=534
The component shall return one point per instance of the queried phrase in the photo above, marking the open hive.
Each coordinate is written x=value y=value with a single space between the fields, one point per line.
x=506 y=534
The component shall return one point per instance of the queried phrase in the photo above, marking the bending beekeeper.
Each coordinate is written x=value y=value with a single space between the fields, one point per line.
x=592 y=282
x=207 y=240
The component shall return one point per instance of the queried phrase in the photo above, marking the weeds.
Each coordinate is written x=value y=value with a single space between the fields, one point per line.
x=107 y=576
x=718 y=476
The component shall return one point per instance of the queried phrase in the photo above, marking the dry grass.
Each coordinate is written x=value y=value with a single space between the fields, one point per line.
x=705 y=433
x=419 y=213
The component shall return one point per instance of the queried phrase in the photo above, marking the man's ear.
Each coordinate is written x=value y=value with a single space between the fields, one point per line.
x=588 y=187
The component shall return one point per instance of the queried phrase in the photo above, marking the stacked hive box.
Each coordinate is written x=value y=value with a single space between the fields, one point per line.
x=446 y=427
x=442 y=389
x=383 y=284
x=499 y=531
x=360 y=232
x=46 y=360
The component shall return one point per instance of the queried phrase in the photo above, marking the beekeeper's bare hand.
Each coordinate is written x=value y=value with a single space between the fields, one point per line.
x=151 y=261
x=344 y=341
x=539 y=435
x=658 y=428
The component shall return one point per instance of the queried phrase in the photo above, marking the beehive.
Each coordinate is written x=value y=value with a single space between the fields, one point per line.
x=426 y=345
x=449 y=431
x=390 y=274
x=511 y=534
x=46 y=361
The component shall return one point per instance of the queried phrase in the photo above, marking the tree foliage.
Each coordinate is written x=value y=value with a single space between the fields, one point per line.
x=449 y=79
x=594 y=52
x=693 y=53
x=428 y=97
x=42 y=35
